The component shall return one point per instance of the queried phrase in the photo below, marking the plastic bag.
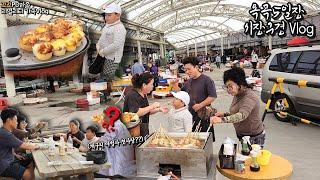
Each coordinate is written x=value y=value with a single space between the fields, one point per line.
x=228 y=140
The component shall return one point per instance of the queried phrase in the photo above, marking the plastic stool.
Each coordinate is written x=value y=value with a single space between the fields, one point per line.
x=3 y=104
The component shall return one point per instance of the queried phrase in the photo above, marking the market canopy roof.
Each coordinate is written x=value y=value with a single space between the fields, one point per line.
x=193 y=21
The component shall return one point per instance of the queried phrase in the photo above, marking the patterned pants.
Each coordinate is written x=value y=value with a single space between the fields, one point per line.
x=109 y=70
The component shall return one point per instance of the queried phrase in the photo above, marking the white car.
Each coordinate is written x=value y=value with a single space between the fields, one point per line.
x=295 y=63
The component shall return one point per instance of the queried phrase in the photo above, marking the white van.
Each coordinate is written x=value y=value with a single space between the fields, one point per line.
x=296 y=63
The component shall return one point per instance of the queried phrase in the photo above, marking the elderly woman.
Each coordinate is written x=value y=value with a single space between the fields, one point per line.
x=244 y=110
x=121 y=157
x=74 y=133
x=136 y=100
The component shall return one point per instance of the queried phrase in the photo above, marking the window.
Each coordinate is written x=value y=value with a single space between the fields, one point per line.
x=307 y=62
x=293 y=60
x=274 y=64
x=318 y=69
x=284 y=62
x=300 y=62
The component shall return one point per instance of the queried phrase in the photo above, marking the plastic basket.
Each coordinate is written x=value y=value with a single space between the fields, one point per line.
x=264 y=157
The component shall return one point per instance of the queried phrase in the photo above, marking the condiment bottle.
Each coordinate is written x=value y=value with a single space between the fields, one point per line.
x=62 y=144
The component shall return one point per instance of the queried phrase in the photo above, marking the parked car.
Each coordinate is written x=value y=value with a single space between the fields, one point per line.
x=296 y=63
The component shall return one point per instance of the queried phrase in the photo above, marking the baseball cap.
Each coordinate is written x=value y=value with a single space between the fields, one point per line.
x=112 y=8
x=183 y=96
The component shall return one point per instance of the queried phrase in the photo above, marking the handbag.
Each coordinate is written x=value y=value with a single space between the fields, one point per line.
x=206 y=112
x=98 y=157
x=97 y=65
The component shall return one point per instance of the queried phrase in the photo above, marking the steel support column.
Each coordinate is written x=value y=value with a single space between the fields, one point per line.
x=205 y=45
x=188 y=52
x=270 y=42
x=221 y=42
x=161 y=48
x=139 y=48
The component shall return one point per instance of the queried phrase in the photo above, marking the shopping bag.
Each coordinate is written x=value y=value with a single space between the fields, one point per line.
x=97 y=65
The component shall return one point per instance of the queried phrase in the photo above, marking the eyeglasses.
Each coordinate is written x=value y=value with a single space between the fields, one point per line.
x=227 y=87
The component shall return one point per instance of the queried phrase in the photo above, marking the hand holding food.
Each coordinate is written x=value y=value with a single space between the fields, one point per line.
x=215 y=120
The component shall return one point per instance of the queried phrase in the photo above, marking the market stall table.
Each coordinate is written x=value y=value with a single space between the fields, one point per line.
x=278 y=168
x=121 y=86
x=70 y=165
x=120 y=90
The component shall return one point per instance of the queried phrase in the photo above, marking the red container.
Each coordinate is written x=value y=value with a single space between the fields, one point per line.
x=3 y=104
x=82 y=103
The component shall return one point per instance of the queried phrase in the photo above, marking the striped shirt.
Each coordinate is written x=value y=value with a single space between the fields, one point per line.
x=111 y=41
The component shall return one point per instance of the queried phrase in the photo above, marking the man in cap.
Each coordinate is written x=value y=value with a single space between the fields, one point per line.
x=111 y=42
x=202 y=93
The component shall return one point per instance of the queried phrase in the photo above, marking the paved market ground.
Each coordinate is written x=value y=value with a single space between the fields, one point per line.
x=299 y=144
